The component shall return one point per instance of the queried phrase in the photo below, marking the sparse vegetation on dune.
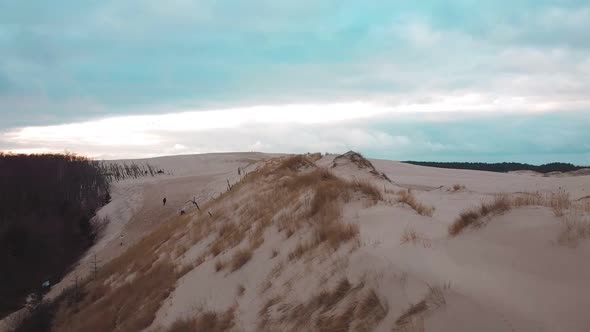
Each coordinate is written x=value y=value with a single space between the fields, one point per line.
x=110 y=302
x=474 y=217
x=412 y=319
x=240 y=258
x=411 y=236
x=457 y=187
x=360 y=161
x=346 y=307
x=408 y=197
x=296 y=163
x=575 y=227
x=209 y=321
x=313 y=195
x=559 y=202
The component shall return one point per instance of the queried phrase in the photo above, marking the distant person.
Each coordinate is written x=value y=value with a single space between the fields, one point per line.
x=164 y=201
x=182 y=212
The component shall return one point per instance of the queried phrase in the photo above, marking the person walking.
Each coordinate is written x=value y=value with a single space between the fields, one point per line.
x=164 y=201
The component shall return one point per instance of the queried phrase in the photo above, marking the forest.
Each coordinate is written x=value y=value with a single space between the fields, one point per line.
x=500 y=167
x=47 y=202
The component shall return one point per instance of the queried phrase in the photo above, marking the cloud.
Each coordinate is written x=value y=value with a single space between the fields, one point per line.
x=376 y=130
x=138 y=57
x=150 y=72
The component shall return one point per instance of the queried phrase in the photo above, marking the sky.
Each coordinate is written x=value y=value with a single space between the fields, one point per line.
x=460 y=80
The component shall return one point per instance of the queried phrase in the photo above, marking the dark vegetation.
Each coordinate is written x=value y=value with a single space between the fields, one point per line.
x=47 y=204
x=500 y=167
x=115 y=172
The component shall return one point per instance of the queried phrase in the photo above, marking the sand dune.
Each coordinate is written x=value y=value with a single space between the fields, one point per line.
x=310 y=244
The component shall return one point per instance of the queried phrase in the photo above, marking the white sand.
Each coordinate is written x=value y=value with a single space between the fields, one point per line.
x=511 y=275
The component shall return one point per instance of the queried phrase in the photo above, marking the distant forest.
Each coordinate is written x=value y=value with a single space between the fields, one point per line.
x=500 y=167
x=47 y=202
x=47 y=205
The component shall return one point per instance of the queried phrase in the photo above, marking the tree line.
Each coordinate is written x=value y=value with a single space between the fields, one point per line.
x=47 y=202
x=500 y=167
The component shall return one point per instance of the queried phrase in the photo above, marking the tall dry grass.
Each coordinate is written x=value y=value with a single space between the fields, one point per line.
x=559 y=202
x=457 y=187
x=345 y=307
x=408 y=197
x=412 y=320
x=411 y=236
x=574 y=227
x=474 y=217
x=240 y=258
x=209 y=321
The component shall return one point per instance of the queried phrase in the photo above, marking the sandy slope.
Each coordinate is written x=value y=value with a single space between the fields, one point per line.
x=136 y=207
x=511 y=275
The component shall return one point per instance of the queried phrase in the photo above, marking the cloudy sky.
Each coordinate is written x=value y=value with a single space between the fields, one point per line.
x=467 y=80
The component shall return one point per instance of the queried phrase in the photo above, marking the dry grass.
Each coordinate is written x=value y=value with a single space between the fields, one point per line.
x=301 y=249
x=333 y=234
x=264 y=314
x=370 y=311
x=407 y=197
x=228 y=236
x=240 y=258
x=111 y=303
x=473 y=217
x=575 y=227
x=325 y=209
x=336 y=233
x=457 y=187
x=281 y=186
x=327 y=299
x=219 y=265
x=335 y=322
x=107 y=309
x=368 y=189
x=240 y=290
x=209 y=321
x=559 y=201
x=342 y=308
x=411 y=236
x=296 y=163
x=412 y=319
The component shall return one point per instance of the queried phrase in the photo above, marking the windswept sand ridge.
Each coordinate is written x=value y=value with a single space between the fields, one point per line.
x=295 y=247
x=136 y=207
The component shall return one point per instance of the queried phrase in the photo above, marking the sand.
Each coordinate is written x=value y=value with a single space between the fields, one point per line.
x=513 y=274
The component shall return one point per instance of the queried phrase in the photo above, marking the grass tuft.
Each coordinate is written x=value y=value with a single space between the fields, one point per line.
x=407 y=197
x=240 y=258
